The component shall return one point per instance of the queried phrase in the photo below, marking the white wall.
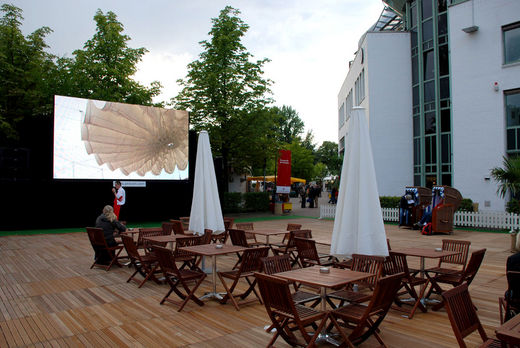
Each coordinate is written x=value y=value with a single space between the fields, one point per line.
x=388 y=100
x=389 y=80
x=478 y=111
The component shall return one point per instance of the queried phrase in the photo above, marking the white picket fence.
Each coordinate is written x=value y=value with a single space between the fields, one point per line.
x=480 y=219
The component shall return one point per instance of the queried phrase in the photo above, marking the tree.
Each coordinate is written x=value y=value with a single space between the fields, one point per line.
x=224 y=87
x=508 y=177
x=289 y=124
x=327 y=153
x=104 y=68
x=24 y=70
x=302 y=161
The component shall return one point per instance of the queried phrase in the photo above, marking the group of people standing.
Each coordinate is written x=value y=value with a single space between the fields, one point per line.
x=310 y=193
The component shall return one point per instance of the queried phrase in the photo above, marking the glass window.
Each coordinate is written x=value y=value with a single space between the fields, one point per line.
x=417 y=151
x=513 y=108
x=446 y=148
x=427 y=28
x=341 y=115
x=429 y=65
x=416 y=126
x=415 y=70
x=511 y=139
x=413 y=16
x=442 y=5
x=429 y=123
x=443 y=24
x=511 y=43
x=445 y=120
x=444 y=87
x=430 y=149
x=427 y=9
x=429 y=91
x=417 y=180
x=444 y=62
x=415 y=96
x=446 y=179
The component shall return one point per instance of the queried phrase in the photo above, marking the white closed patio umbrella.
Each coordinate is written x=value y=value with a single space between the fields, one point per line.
x=205 y=206
x=358 y=224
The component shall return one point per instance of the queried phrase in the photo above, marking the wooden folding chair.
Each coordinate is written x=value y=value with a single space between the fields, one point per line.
x=147 y=232
x=177 y=227
x=100 y=246
x=365 y=319
x=238 y=237
x=290 y=227
x=455 y=279
x=250 y=237
x=167 y=228
x=463 y=316
x=185 y=220
x=509 y=305
x=188 y=259
x=360 y=263
x=249 y=265
x=178 y=279
x=222 y=237
x=290 y=247
x=399 y=265
x=282 y=263
x=286 y=315
x=308 y=254
x=146 y=265
x=460 y=260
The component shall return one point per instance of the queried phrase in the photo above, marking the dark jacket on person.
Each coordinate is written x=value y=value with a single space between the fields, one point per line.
x=109 y=228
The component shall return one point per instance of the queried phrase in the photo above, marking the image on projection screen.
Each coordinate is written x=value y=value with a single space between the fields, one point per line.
x=107 y=140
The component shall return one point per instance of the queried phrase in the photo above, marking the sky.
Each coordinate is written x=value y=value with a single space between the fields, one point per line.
x=309 y=42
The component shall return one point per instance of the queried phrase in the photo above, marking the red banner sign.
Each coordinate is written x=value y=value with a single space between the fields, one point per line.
x=283 y=179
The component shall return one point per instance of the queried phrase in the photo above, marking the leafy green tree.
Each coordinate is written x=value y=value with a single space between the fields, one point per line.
x=289 y=125
x=24 y=71
x=508 y=177
x=103 y=69
x=327 y=153
x=302 y=159
x=224 y=87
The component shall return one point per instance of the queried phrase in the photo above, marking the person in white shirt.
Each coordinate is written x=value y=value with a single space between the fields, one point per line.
x=119 y=197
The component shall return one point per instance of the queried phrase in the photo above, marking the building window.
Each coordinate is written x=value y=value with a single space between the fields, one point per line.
x=341 y=115
x=511 y=36
x=360 y=87
x=512 y=101
x=348 y=104
x=342 y=144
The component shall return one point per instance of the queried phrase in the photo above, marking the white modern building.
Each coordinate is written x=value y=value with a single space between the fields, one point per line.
x=440 y=82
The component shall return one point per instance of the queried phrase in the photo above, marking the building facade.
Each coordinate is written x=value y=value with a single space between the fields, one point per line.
x=442 y=94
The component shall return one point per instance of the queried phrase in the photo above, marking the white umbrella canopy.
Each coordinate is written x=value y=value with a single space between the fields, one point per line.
x=205 y=206
x=358 y=224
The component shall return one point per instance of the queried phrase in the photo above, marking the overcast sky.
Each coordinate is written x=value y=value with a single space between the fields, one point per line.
x=309 y=42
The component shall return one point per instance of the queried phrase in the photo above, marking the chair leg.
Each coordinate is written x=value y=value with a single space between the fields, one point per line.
x=191 y=294
x=229 y=292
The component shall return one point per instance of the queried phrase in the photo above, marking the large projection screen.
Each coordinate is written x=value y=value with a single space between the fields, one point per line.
x=106 y=140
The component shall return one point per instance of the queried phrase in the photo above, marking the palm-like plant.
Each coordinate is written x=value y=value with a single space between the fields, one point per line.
x=508 y=177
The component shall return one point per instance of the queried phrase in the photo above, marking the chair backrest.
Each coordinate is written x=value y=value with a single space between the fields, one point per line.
x=368 y=264
x=130 y=247
x=228 y=222
x=167 y=228
x=166 y=258
x=185 y=242
x=246 y=226
x=177 y=227
x=298 y=234
x=277 y=297
x=307 y=251
x=396 y=264
x=251 y=259
x=473 y=266
x=96 y=237
x=148 y=232
x=276 y=264
x=206 y=237
x=185 y=220
x=238 y=237
x=455 y=245
x=291 y=227
x=461 y=311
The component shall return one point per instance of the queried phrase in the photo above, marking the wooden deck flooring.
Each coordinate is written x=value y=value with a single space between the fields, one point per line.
x=50 y=298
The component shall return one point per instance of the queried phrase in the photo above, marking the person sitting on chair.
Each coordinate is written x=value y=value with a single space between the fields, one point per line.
x=109 y=223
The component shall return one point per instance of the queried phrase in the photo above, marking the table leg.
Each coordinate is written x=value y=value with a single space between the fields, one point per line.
x=213 y=294
x=324 y=335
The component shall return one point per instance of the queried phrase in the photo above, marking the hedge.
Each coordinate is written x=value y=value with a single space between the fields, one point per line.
x=236 y=202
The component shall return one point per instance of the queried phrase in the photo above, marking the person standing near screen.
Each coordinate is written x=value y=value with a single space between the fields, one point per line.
x=119 y=197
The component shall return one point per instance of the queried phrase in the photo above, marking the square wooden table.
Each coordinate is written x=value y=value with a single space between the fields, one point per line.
x=268 y=232
x=312 y=276
x=171 y=238
x=424 y=253
x=509 y=332
x=213 y=251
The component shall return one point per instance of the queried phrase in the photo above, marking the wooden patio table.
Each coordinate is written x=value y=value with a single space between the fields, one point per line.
x=172 y=238
x=213 y=251
x=312 y=276
x=509 y=332
x=268 y=232
x=423 y=253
